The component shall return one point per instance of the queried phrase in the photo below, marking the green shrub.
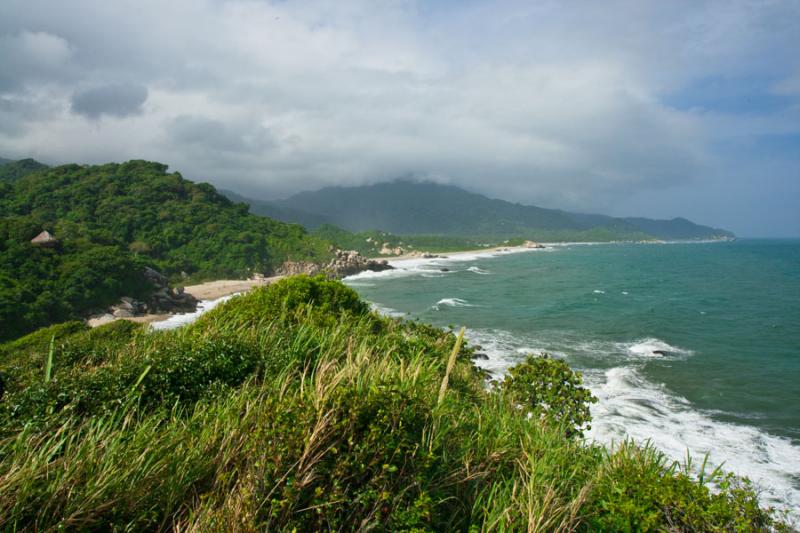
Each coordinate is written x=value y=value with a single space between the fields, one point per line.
x=548 y=388
x=299 y=297
x=639 y=489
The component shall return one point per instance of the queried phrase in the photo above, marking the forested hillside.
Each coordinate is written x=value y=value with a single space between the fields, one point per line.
x=112 y=220
x=424 y=208
x=13 y=170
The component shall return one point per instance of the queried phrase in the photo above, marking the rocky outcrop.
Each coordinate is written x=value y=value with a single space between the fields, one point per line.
x=344 y=263
x=386 y=249
x=164 y=299
x=349 y=262
x=426 y=255
x=532 y=244
x=169 y=300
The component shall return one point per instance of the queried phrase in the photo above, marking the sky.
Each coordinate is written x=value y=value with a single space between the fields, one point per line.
x=624 y=107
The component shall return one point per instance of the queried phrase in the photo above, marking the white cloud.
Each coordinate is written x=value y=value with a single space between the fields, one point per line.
x=553 y=102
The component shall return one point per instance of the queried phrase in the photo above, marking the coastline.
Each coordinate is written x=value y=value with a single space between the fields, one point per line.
x=462 y=254
x=206 y=292
x=211 y=291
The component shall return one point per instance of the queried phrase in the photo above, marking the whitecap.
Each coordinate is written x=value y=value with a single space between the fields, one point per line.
x=452 y=302
x=478 y=270
x=652 y=347
x=598 y=291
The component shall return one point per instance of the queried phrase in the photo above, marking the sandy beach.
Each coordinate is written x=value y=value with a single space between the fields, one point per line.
x=210 y=290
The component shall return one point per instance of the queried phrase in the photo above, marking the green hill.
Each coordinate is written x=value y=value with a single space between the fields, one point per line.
x=13 y=170
x=112 y=220
x=422 y=208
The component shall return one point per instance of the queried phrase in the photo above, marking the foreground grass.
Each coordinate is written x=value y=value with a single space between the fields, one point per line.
x=294 y=408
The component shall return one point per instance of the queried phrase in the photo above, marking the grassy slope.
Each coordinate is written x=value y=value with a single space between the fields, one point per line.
x=294 y=407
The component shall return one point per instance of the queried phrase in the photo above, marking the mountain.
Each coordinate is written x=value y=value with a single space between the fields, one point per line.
x=422 y=208
x=272 y=210
x=110 y=221
x=13 y=170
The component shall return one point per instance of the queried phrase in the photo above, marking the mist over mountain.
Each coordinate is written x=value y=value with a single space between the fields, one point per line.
x=417 y=208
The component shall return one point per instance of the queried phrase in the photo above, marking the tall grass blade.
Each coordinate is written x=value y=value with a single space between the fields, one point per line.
x=141 y=377
x=48 y=366
x=450 y=364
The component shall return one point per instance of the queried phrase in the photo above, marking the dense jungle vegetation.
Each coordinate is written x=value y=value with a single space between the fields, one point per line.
x=112 y=220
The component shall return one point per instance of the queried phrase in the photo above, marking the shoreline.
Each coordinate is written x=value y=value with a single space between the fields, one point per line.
x=205 y=292
x=210 y=291
x=494 y=250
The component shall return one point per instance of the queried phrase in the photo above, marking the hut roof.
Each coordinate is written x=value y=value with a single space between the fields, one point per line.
x=44 y=237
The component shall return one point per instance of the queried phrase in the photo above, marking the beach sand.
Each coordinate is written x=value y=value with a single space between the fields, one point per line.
x=210 y=290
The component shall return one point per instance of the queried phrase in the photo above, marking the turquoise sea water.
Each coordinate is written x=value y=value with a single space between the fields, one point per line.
x=695 y=346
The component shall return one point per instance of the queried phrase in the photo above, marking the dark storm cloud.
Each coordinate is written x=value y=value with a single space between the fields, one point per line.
x=116 y=100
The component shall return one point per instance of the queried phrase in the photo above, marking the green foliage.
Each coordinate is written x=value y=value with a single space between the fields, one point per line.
x=638 y=489
x=112 y=220
x=13 y=170
x=548 y=388
x=327 y=297
x=251 y=420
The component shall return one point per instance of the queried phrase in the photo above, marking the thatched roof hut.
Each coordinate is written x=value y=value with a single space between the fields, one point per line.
x=45 y=238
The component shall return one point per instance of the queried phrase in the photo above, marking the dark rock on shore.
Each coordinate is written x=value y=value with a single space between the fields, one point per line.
x=345 y=263
x=164 y=299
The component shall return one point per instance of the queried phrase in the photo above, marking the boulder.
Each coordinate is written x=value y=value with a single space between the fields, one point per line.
x=122 y=313
x=532 y=244
x=156 y=278
x=344 y=263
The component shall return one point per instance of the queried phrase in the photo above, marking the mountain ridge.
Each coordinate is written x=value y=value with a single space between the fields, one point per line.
x=409 y=207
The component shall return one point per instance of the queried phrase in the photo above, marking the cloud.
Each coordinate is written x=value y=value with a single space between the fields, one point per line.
x=567 y=104
x=31 y=56
x=116 y=100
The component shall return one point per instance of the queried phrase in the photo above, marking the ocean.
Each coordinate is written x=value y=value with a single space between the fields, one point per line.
x=694 y=346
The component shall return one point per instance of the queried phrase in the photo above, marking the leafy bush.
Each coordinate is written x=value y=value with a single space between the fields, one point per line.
x=300 y=297
x=639 y=489
x=548 y=388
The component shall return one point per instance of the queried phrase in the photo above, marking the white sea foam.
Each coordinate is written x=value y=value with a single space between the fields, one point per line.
x=652 y=347
x=386 y=311
x=632 y=407
x=432 y=266
x=176 y=321
x=478 y=270
x=598 y=291
x=452 y=302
